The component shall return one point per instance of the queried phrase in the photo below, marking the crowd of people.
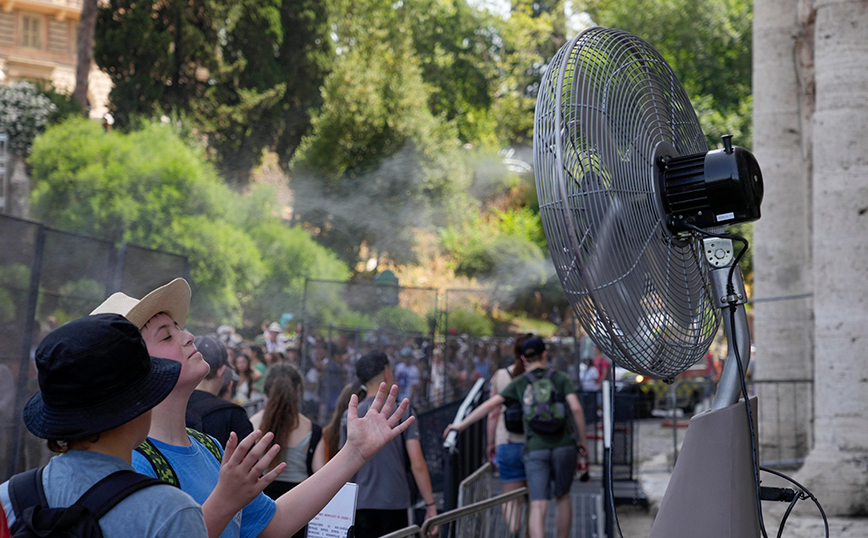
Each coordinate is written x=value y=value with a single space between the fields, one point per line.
x=236 y=424
x=120 y=393
x=428 y=374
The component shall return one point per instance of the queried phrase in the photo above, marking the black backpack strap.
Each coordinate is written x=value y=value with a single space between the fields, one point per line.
x=529 y=376
x=556 y=394
x=105 y=494
x=162 y=468
x=315 y=436
x=25 y=490
x=208 y=442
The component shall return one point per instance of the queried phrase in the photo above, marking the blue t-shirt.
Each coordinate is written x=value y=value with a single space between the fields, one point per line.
x=198 y=471
x=154 y=512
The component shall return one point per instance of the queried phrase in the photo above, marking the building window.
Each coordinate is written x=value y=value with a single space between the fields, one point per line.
x=73 y=37
x=31 y=35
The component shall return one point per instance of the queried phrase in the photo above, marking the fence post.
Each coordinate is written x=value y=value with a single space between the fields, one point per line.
x=120 y=264
x=26 y=343
x=305 y=327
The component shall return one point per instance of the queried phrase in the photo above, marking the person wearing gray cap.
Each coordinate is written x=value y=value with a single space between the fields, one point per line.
x=206 y=410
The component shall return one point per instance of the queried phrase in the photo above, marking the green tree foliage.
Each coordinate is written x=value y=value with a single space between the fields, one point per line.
x=160 y=56
x=484 y=70
x=279 y=47
x=469 y=321
x=289 y=256
x=457 y=47
x=13 y=277
x=397 y=318
x=377 y=162
x=531 y=36
x=149 y=188
x=708 y=45
x=246 y=74
x=504 y=248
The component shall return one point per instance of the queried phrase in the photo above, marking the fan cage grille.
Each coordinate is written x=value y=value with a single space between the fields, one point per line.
x=608 y=104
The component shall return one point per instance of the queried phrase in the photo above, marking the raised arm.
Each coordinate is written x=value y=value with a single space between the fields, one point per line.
x=365 y=437
x=419 y=468
x=481 y=411
x=493 y=415
x=579 y=417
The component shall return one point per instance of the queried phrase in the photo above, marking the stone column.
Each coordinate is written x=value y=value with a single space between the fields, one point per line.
x=837 y=469
x=18 y=196
x=783 y=105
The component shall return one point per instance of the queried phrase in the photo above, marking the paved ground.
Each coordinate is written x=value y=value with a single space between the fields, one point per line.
x=654 y=460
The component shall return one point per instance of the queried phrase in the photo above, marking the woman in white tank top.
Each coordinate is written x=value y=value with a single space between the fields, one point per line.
x=293 y=431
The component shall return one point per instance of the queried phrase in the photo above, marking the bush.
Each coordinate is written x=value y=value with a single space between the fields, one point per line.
x=397 y=318
x=150 y=188
x=472 y=322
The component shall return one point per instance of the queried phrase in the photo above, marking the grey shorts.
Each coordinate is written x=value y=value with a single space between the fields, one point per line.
x=550 y=472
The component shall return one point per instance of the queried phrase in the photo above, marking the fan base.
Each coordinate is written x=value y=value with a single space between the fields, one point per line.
x=712 y=492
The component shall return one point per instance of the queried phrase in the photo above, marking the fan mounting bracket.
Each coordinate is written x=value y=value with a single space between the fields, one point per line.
x=723 y=298
x=718 y=252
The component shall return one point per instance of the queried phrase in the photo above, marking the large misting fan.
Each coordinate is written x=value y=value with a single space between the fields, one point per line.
x=629 y=193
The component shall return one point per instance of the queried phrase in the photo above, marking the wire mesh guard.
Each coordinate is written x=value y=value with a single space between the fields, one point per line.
x=610 y=105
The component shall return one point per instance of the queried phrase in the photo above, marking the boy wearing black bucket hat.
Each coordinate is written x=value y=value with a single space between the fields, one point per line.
x=231 y=493
x=98 y=386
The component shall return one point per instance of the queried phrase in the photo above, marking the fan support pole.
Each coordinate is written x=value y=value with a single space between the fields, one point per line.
x=728 y=293
x=712 y=492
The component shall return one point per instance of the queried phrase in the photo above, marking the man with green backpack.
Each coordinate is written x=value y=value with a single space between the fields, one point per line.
x=553 y=445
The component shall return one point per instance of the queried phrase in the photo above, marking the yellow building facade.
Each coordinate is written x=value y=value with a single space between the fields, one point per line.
x=38 y=42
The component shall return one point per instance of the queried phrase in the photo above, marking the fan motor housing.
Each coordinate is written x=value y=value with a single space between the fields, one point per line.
x=718 y=188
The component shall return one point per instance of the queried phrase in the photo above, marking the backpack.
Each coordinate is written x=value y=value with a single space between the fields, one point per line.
x=513 y=416
x=315 y=436
x=167 y=474
x=543 y=404
x=163 y=469
x=34 y=518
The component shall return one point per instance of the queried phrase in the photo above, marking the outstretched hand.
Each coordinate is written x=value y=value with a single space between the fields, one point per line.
x=382 y=423
x=241 y=478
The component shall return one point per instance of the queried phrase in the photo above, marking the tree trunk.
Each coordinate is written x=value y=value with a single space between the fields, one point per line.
x=837 y=469
x=86 y=28
x=783 y=111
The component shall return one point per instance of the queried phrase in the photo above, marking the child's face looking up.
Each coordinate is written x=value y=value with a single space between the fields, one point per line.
x=168 y=341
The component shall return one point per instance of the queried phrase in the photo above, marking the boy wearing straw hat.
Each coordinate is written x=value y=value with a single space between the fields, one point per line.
x=231 y=494
x=98 y=386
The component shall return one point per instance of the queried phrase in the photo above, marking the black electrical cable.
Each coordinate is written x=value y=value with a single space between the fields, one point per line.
x=730 y=291
x=787 y=513
x=733 y=305
x=609 y=480
x=805 y=491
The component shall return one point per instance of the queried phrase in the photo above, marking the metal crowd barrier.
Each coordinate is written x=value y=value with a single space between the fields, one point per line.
x=484 y=519
x=465 y=452
x=477 y=486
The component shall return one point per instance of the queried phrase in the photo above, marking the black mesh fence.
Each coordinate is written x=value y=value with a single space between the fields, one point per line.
x=47 y=278
x=431 y=425
x=344 y=320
